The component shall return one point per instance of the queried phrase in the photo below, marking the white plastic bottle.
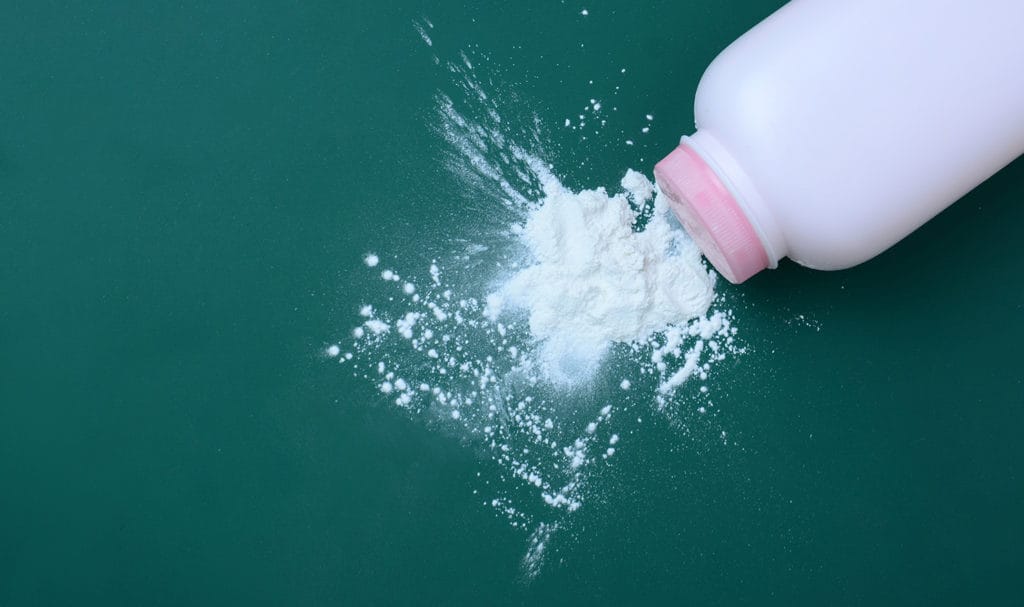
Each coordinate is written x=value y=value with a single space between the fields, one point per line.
x=834 y=128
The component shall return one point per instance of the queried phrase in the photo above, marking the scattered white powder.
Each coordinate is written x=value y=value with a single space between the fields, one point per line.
x=572 y=289
x=591 y=280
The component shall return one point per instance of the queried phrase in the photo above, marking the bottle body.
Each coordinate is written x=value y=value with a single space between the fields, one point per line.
x=840 y=127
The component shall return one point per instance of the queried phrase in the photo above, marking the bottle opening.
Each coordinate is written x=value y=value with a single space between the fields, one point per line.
x=711 y=214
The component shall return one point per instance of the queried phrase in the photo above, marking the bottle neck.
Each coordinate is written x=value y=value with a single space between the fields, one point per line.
x=719 y=207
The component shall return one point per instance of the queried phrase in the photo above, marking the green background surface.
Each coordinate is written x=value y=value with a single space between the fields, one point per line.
x=186 y=189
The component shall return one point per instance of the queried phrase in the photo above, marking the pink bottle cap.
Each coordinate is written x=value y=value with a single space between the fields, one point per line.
x=711 y=215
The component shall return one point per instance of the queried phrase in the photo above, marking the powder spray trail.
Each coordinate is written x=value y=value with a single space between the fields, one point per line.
x=542 y=339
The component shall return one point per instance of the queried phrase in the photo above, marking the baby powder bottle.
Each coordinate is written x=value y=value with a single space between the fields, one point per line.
x=834 y=128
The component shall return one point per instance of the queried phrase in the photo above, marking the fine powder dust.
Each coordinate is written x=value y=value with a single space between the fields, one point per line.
x=549 y=358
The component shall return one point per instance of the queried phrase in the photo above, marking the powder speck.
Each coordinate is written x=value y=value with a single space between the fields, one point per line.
x=371 y=260
x=333 y=350
x=377 y=326
x=625 y=384
x=639 y=188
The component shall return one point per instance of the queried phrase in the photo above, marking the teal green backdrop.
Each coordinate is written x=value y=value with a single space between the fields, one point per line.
x=186 y=190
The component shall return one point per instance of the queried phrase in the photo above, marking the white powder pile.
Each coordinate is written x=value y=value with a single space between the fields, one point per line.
x=608 y=297
x=596 y=281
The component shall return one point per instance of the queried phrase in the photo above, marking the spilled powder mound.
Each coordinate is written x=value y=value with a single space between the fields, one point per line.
x=594 y=279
